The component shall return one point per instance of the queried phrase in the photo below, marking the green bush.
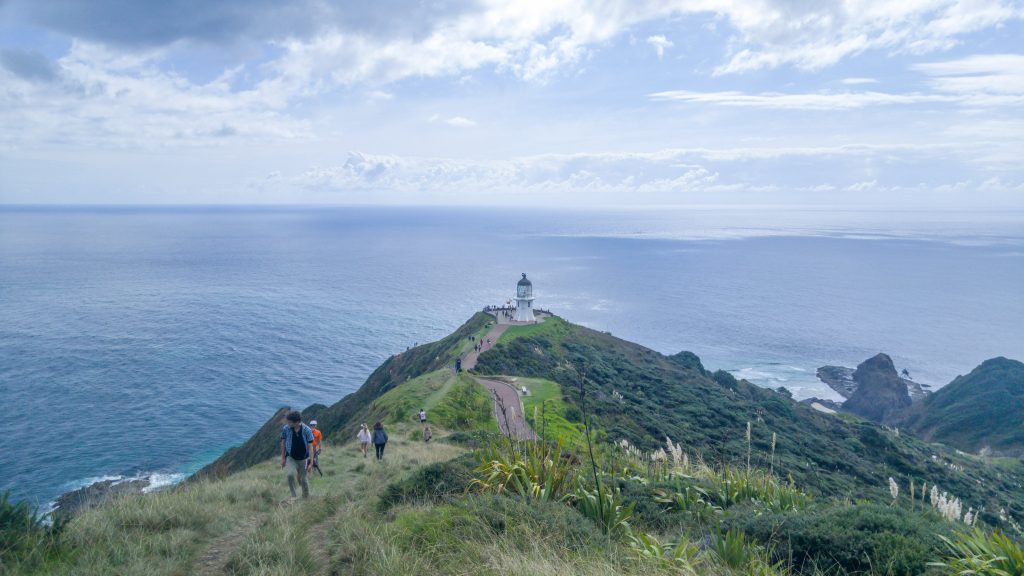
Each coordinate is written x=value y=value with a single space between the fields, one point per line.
x=25 y=539
x=431 y=483
x=460 y=531
x=846 y=538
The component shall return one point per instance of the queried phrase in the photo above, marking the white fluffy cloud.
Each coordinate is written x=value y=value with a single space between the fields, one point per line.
x=660 y=44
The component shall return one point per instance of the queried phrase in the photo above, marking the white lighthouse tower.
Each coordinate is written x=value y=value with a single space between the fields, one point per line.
x=524 y=301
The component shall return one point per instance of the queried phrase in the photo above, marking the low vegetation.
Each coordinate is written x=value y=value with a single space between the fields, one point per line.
x=597 y=494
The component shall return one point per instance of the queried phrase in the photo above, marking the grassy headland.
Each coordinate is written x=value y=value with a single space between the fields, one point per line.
x=685 y=472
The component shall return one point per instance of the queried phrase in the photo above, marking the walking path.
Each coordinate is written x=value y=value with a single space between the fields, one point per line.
x=504 y=394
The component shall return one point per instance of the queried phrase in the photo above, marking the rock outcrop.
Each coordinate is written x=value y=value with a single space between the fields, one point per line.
x=840 y=379
x=96 y=494
x=881 y=395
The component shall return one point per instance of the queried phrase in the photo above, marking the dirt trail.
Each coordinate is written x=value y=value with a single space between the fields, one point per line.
x=469 y=360
x=504 y=394
x=513 y=421
x=216 y=557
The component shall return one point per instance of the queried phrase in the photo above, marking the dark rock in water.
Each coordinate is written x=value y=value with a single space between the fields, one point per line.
x=838 y=378
x=96 y=494
x=881 y=394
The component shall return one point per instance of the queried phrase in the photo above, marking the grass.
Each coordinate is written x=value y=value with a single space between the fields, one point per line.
x=169 y=533
x=403 y=403
x=553 y=328
x=549 y=394
x=467 y=405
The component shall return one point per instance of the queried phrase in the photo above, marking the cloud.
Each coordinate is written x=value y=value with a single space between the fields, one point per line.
x=28 y=64
x=327 y=44
x=982 y=73
x=123 y=101
x=807 y=101
x=456 y=121
x=660 y=43
x=859 y=81
x=460 y=122
x=812 y=37
x=825 y=174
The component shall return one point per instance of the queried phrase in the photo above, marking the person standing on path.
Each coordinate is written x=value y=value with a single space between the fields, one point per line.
x=423 y=416
x=297 y=451
x=318 y=445
x=427 y=434
x=380 y=439
x=364 y=438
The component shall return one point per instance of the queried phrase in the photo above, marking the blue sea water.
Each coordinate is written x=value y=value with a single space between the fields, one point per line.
x=149 y=340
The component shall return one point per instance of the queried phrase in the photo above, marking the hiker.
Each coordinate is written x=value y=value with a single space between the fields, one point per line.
x=318 y=446
x=297 y=451
x=380 y=439
x=427 y=435
x=364 y=438
x=458 y=365
x=423 y=416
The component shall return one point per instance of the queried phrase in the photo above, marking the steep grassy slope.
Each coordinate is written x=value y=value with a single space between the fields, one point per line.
x=342 y=418
x=984 y=409
x=642 y=396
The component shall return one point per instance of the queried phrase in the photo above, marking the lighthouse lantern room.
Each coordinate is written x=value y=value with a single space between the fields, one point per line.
x=524 y=301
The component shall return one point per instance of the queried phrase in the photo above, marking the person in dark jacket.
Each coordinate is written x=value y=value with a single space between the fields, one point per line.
x=380 y=439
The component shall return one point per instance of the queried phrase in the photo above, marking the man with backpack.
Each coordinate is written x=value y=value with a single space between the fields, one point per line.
x=297 y=451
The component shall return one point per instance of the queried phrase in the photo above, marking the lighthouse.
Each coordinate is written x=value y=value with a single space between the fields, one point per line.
x=524 y=301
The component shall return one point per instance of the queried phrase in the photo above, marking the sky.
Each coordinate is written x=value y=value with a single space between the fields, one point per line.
x=910 y=104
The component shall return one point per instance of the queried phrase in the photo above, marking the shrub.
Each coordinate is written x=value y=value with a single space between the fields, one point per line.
x=531 y=469
x=605 y=507
x=430 y=483
x=25 y=538
x=862 y=538
x=461 y=530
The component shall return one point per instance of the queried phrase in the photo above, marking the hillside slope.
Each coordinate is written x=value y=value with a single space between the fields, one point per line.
x=983 y=410
x=343 y=417
x=642 y=396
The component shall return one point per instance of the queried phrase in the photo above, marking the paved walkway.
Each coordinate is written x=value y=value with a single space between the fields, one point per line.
x=509 y=397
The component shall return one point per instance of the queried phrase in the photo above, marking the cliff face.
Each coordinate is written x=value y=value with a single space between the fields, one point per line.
x=980 y=412
x=880 y=395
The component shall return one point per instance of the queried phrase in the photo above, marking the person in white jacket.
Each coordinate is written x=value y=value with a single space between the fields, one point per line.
x=364 y=439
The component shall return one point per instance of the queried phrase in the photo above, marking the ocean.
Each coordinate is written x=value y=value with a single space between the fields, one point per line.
x=148 y=340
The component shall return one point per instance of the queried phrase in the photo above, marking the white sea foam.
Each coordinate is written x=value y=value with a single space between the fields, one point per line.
x=160 y=480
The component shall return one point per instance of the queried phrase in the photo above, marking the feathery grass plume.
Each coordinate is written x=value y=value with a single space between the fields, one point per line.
x=748 y=443
x=950 y=507
x=894 y=489
x=773 y=454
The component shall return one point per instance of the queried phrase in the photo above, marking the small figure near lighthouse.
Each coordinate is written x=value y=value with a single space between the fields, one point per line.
x=524 y=301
